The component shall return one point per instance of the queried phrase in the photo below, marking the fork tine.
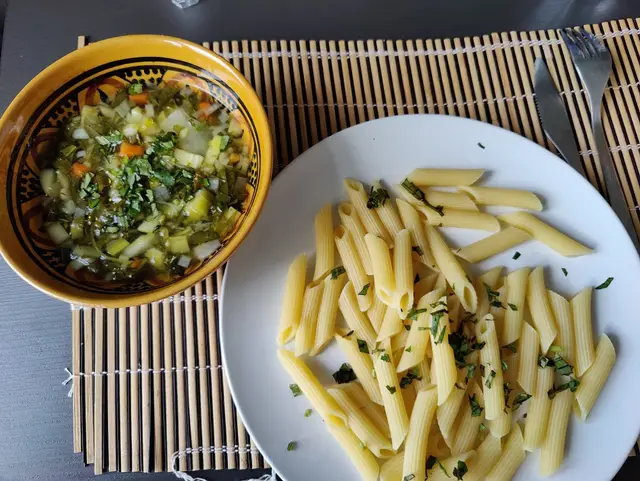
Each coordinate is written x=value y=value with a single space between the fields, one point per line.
x=589 y=41
x=594 y=41
x=568 y=35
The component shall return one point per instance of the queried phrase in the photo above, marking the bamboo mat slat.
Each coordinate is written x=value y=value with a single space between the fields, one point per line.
x=149 y=387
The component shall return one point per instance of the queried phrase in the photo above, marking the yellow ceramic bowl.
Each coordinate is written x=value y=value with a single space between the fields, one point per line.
x=29 y=127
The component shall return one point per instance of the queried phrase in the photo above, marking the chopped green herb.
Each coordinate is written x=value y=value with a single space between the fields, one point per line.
x=416 y=279
x=364 y=290
x=419 y=195
x=572 y=385
x=562 y=366
x=482 y=147
x=505 y=366
x=461 y=468
x=471 y=369
x=337 y=272
x=363 y=446
x=507 y=393
x=605 y=284
x=418 y=250
x=438 y=303
x=543 y=361
x=497 y=304
x=292 y=446
x=414 y=313
x=564 y=271
x=408 y=349
x=494 y=297
x=377 y=198
x=412 y=374
x=409 y=477
x=391 y=389
x=344 y=375
x=135 y=88
x=555 y=349
x=362 y=346
x=511 y=347
x=513 y=307
x=516 y=255
x=385 y=357
x=441 y=336
x=407 y=326
x=520 y=398
x=349 y=333
x=431 y=462
x=295 y=389
x=307 y=413
x=476 y=409
x=490 y=378
x=482 y=427
x=422 y=328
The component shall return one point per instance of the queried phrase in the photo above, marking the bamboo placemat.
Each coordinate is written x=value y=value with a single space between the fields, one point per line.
x=149 y=384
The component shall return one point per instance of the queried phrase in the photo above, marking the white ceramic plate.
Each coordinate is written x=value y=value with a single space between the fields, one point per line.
x=388 y=149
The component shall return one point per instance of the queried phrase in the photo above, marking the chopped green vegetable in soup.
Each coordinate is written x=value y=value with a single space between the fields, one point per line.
x=146 y=186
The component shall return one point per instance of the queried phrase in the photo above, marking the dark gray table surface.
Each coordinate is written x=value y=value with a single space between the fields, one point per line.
x=35 y=331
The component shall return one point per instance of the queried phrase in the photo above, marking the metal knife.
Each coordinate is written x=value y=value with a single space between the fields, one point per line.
x=555 y=120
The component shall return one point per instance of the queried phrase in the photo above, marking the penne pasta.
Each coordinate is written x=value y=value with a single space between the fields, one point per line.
x=593 y=380
x=326 y=325
x=540 y=309
x=413 y=223
x=388 y=215
x=452 y=271
x=487 y=456
x=552 y=451
x=362 y=426
x=391 y=470
x=391 y=397
x=522 y=199
x=317 y=395
x=362 y=459
x=376 y=313
x=500 y=426
x=375 y=412
x=403 y=272
x=418 y=435
x=351 y=222
x=492 y=379
x=292 y=300
x=456 y=200
x=391 y=325
x=535 y=428
x=356 y=320
x=464 y=219
x=493 y=244
x=528 y=349
x=361 y=363
x=564 y=319
x=581 y=311
x=357 y=275
x=448 y=411
x=516 y=286
x=369 y=217
x=445 y=177
x=512 y=456
x=443 y=356
x=384 y=280
x=325 y=250
x=309 y=318
x=488 y=279
x=559 y=242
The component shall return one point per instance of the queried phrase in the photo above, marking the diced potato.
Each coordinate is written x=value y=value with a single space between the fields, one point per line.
x=57 y=233
x=49 y=182
x=198 y=207
x=187 y=159
x=156 y=258
x=151 y=224
x=117 y=246
x=179 y=244
x=140 y=245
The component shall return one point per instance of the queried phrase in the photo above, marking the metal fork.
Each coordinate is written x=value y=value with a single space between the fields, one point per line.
x=593 y=63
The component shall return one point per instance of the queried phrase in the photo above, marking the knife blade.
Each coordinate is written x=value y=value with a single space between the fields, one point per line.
x=554 y=117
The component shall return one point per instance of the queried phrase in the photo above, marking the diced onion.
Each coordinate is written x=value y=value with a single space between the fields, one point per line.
x=80 y=154
x=214 y=184
x=130 y=130
x=161 y=193
x=123 y=109
x=149 y=111
x=69 y=207
x=207 y=110
x=184 y=261
x=224 y=116
x=80 y=134
x=185 y=91
x=203 y=251
x=57 y=233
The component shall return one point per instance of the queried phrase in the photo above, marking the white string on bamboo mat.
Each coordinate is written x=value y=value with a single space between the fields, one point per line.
x=416 y=53
x=213 y=449
x=168 y=300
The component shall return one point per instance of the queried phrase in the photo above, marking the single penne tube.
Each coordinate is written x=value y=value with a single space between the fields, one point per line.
x=403 y=272
x=317 y=395
x=452 y=271
x=364 y=461
x=516 y=286
x=552 y=451
x=492 y=379
x=487 y=456
x=308 y=320
x=392 y=399
x=500 y=426
x=327 y=313
x=375 y=412
x=376 y=313
x=413 y=223
x=513 y=455
x=522 y=199
x=361 y=363
x=535 y=428
x=542 y=232
x=581 y=311
x=415 y=348
x=418 y=435
x=384 y=207
x=488 y=279
x=292 y=299
x=593 y=380
x=528 y=349
x=351 y=222
x=456 y=200
x=469 y=420
x=565 y=339
x=445 y=177
x=424 y=285
x=391 y=325
x=540 y=309
x=352 y=264
x=325 y=249
x=356 y=320
x=391 y=470
x=443 y=471
x=493 y=244
x=498 y=307
x=443 y=356
x=448 y=411
x=369 y=217
x=362 y=426
x=464 y=219
x=383 y=277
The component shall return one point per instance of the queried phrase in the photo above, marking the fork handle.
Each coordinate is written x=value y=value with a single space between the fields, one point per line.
x=614 y=189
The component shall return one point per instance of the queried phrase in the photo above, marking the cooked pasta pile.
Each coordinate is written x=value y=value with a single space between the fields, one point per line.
x=441 y=367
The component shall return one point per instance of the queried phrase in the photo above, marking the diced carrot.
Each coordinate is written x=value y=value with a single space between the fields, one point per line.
x=203 y=106
x=140 y=99
x=131 y=150
x=78 y=169
x=136 y=262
